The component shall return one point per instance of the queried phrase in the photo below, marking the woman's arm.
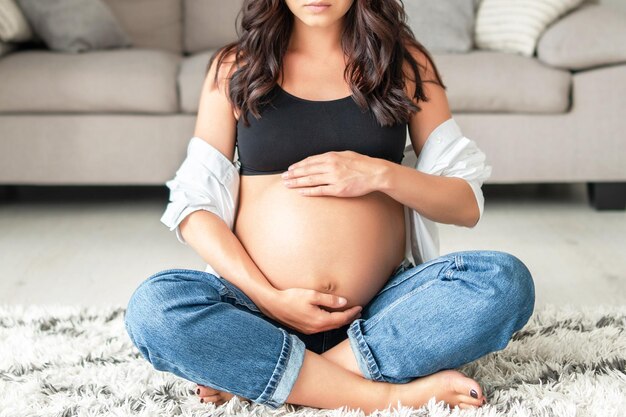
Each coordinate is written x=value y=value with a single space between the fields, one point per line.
x=440 y=199
x=212 y=239
x=443 y=199
x=205 y=193
x=445 y=184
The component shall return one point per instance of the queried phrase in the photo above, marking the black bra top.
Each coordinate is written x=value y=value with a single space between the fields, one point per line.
x=291 y=129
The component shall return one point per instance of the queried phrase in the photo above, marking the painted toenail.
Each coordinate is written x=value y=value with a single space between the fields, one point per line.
x=473 y=393
x=484 y=401
x=201 y=400
x=198 y=391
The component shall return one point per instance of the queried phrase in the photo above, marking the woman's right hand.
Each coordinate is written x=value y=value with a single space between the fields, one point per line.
x=301 y=309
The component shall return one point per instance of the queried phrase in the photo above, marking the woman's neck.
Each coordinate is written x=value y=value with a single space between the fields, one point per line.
x=316 y=42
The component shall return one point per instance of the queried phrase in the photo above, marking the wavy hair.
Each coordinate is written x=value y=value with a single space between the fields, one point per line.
x=375 y=38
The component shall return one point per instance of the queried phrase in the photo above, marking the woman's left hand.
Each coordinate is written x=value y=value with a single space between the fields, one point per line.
x=335 y=173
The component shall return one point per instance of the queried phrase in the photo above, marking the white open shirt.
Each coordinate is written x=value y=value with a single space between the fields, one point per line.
x=207 y=180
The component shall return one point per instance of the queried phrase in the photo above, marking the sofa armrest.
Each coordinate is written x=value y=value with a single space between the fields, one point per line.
x=590 y=36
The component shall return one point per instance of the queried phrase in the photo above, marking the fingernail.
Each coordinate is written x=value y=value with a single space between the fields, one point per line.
x=473 y=393
x=342 y=300
x=198 y=391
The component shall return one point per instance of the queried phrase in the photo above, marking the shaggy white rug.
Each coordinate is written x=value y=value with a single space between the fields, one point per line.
x=77 y=361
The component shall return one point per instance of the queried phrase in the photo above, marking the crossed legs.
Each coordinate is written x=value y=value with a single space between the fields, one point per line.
x=332 y=380
x=489 y=283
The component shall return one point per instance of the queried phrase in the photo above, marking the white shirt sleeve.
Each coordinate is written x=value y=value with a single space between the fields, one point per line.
x=447 y=152
x=206 y=180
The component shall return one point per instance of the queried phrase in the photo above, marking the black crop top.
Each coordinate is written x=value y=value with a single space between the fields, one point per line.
x=292 y=128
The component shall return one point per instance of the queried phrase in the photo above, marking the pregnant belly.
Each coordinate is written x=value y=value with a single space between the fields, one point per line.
x=347 y=246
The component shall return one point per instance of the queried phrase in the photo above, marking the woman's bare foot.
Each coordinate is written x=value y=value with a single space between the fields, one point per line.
x=211 y=395
x=451 y=386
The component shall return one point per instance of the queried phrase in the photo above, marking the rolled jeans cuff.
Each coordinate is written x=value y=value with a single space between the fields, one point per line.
x=364 y=357
x=285 y=373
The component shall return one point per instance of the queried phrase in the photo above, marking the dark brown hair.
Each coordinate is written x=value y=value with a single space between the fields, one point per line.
x=375 y=38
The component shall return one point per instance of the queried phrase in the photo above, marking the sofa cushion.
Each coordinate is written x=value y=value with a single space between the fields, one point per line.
x=151 y=23
x=479 y=81
x=75 y=25
x=442 y=26
x=13 y=24
x=490 y=81
x=190 y=78
x=579 y=40
x=515 y=26
x=119 y=80
x=210 y=23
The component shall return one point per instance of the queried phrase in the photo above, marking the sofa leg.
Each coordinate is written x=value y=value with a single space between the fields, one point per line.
x=607 y=195
x=8 y=193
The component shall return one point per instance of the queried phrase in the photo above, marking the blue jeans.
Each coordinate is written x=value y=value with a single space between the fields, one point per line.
x=437 y=315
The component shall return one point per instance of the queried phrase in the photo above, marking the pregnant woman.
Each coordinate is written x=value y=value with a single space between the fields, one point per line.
x=317 y=98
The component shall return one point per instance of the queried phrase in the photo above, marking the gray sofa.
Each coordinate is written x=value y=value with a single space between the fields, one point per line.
x=124 y=117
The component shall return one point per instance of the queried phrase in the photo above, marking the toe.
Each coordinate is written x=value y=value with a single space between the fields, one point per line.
x=203 y=391
x=211 y=399
x=471 y=388
x=226 y=395
x=470 y=400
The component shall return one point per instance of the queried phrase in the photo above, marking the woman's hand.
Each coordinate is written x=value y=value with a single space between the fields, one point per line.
x=300 y=309
x=339 y=174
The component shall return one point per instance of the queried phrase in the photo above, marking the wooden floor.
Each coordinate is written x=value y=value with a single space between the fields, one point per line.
x=93 y=246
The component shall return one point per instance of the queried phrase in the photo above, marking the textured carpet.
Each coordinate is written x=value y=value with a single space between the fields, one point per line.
x=79 y=361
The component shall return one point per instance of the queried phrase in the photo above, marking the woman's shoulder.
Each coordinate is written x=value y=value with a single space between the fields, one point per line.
x=222 y=63
x=425 y=65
